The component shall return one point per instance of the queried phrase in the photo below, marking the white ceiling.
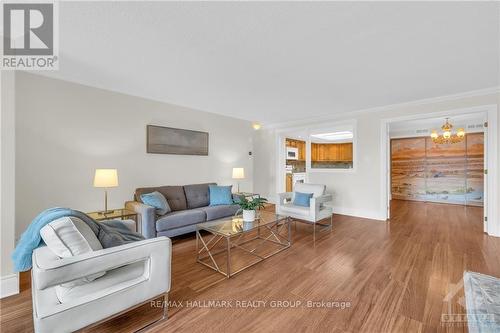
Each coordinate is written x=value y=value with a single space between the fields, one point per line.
x=276 y=62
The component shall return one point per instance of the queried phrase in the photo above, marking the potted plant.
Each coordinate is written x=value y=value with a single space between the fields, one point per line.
x=249 y=207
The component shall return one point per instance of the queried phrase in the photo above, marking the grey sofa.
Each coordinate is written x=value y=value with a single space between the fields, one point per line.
x=189 y=204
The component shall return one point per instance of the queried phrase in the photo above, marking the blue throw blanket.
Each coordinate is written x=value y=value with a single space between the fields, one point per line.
x=110 y=233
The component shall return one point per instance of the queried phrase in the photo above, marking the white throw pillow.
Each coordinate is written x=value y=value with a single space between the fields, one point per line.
x=68 y=237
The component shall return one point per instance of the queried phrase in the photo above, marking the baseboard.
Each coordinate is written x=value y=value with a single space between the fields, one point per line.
x=9 y=285
x=366 y=214
x=362 y=213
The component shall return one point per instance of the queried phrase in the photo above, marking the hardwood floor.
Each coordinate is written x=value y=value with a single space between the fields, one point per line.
x=395 y=276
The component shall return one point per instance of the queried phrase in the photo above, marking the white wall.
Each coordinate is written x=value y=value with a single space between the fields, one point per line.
x=264 y=181
x=65 y=130
x=355 y=193
x=8 y=280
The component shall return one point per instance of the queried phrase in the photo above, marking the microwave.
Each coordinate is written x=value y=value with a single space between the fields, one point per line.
x=292 y=153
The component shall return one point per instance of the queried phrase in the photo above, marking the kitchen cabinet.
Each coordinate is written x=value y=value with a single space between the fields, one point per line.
x=301 y=145
x=302 y=150
x=346 y=152
x=289 y=182
x=334 y=152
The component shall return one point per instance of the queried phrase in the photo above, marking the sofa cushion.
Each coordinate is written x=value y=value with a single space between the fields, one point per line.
x=174 y=194
x=316 y=189
x=217 y=212
x=180 y=219
x=197 y=195
x=295 y=210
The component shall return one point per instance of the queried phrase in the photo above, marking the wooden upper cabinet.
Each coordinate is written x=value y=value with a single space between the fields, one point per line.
x=302 y=149
x=323 y=152
x=341 y=152
x=301 y=145
x=314 y=152
x=345 y=152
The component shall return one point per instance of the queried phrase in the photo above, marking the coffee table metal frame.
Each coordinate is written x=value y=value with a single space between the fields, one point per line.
x=235 y=241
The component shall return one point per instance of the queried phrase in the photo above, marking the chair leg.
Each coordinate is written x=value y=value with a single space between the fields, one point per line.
x=163 y=318
x=314 y=233
x=165 y=306
x=331 y=222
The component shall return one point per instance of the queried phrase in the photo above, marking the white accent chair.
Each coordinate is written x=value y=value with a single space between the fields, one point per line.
x=313 y=214
x=136 y=273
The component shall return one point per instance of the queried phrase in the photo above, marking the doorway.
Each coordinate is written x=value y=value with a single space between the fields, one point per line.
x=295 y=167
x=421 y=126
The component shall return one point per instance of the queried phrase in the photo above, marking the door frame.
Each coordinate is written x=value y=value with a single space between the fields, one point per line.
x=492 y=226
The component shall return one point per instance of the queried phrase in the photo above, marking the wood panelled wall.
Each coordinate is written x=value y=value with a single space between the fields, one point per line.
x=426 y=171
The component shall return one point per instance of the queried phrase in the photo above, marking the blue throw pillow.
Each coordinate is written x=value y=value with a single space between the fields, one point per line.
x=302 y=199
x=220 y=195
x=158 y=201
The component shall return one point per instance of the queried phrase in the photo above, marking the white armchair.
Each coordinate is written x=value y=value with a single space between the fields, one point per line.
x=318 y=205
x=135 y=273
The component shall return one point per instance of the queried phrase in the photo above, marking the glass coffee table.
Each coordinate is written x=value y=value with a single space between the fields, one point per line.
x=268 y=235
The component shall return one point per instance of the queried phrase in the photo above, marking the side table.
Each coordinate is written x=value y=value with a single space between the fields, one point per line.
x=116 y=214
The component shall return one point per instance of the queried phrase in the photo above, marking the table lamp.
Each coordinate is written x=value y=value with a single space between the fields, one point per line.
x=106 y=178
x=238 y=173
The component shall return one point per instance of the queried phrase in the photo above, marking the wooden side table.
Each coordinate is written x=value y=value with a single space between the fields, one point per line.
x=116 y=214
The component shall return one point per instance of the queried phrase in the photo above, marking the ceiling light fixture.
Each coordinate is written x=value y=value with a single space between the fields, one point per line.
x=447 y=136
x=256 y=126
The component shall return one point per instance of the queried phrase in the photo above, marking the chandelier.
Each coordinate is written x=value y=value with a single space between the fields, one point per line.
x=447 y=136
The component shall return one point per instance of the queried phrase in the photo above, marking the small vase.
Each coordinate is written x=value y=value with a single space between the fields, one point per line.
x=248 y=215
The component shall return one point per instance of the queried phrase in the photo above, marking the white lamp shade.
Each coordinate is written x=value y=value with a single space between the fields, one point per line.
x=238 y=173
x=106 y=178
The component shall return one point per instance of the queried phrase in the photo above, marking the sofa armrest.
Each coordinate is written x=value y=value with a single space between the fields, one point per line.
x=237 y=197
x=49 y=270
x=322 y=199
x=284 y=196
x=146 y=215
x=315 y=203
